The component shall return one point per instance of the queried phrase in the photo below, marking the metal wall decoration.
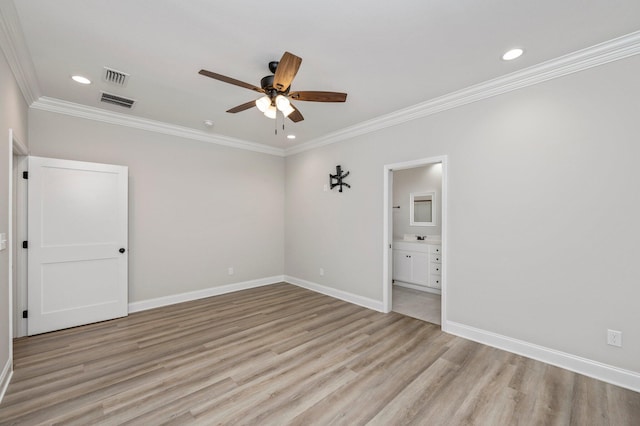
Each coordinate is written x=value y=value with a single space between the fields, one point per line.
x=338 y=179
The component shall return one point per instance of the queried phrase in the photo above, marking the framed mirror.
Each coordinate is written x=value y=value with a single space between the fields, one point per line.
x=422 y=209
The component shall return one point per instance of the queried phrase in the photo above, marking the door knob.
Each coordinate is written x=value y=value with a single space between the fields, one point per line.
x=122 y=250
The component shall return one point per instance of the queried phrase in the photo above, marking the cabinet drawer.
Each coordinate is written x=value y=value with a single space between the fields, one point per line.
x=436 y=258
x=436 y=268
x=435 y=249
x=435 y=281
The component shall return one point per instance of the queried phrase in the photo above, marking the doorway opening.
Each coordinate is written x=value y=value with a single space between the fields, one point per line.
x=414 y=246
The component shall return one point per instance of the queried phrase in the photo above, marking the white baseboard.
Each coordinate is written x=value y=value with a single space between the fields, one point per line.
x=5 y=377
x=376 y=305
x=597 y=370
x=201 y=294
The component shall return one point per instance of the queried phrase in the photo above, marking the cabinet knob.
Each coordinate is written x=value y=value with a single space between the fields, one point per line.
x=122 y=250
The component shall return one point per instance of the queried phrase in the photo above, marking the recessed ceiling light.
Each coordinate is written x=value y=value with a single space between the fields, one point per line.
x=291 y=136
x=512 y=54
x=80 y=79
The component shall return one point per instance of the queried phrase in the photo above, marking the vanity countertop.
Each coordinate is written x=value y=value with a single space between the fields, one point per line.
x=419 y=245
x=425 y=241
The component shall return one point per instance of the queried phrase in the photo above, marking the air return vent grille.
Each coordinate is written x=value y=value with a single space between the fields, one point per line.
x=116 y=100
x=117 y=78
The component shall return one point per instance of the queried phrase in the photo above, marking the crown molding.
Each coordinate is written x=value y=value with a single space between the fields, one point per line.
x=600 y=54
x=14 y=46
x=96 y=114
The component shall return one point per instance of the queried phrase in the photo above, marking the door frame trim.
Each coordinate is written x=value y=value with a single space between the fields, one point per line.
x=19 y=297
x=387 y=227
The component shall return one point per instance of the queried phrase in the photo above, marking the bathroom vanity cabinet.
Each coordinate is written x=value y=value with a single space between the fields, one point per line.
x=418 y=264
x=435 y=266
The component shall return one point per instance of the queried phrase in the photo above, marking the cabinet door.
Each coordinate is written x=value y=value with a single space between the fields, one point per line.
x=402 y=265
x=420 y=268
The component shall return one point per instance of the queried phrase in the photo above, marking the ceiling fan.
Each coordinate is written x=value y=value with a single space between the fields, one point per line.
x=276 y=88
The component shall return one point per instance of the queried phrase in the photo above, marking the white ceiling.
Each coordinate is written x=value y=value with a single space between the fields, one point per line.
x=385 y=55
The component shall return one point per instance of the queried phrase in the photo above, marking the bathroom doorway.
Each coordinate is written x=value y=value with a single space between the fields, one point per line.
x=415 y=239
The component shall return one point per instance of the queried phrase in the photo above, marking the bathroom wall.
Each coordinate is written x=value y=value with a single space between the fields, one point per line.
x=419 y=179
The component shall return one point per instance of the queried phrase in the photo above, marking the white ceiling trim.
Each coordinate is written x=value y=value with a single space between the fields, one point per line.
x=599 y=54
x=91 y=113
x=15 y=50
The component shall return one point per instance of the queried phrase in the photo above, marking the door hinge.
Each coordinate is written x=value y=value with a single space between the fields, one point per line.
x=25 y=175
x=25 y=314
x=25 y=244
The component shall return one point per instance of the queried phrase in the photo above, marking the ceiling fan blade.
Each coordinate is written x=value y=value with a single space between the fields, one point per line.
x=318 y=96
x=296 y=115
x=242 y=107
x=286 y=71
x=230 y=80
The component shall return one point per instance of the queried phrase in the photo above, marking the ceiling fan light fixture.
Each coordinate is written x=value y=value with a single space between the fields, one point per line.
x=263 y=103
x=271 y=112
x=282 y=102
x=287 y=110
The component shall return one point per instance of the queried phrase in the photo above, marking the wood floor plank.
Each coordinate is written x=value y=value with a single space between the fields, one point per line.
x=407 y=406
x=283 y=355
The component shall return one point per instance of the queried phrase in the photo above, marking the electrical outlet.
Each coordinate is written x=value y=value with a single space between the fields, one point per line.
x=322 y=272
x=614 y=338
x=326 y=188
x=230 y=271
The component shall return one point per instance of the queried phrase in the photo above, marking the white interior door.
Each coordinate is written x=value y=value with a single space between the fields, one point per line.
x=77 y=225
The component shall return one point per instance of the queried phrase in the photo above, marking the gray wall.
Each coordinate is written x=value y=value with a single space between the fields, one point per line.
x=543 y=209
x=418 y=179
x=13 y=115
x=195 y=208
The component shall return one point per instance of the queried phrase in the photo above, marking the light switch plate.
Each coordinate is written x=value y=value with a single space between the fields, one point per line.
x=3 y=241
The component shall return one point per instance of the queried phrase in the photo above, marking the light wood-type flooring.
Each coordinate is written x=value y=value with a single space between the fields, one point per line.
x=280 y=355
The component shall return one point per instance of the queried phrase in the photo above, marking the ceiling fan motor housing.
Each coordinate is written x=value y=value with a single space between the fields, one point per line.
x=267 y=82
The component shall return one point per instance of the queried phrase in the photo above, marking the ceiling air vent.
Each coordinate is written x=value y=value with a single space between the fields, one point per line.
x=117 y=78
x=116 y=100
